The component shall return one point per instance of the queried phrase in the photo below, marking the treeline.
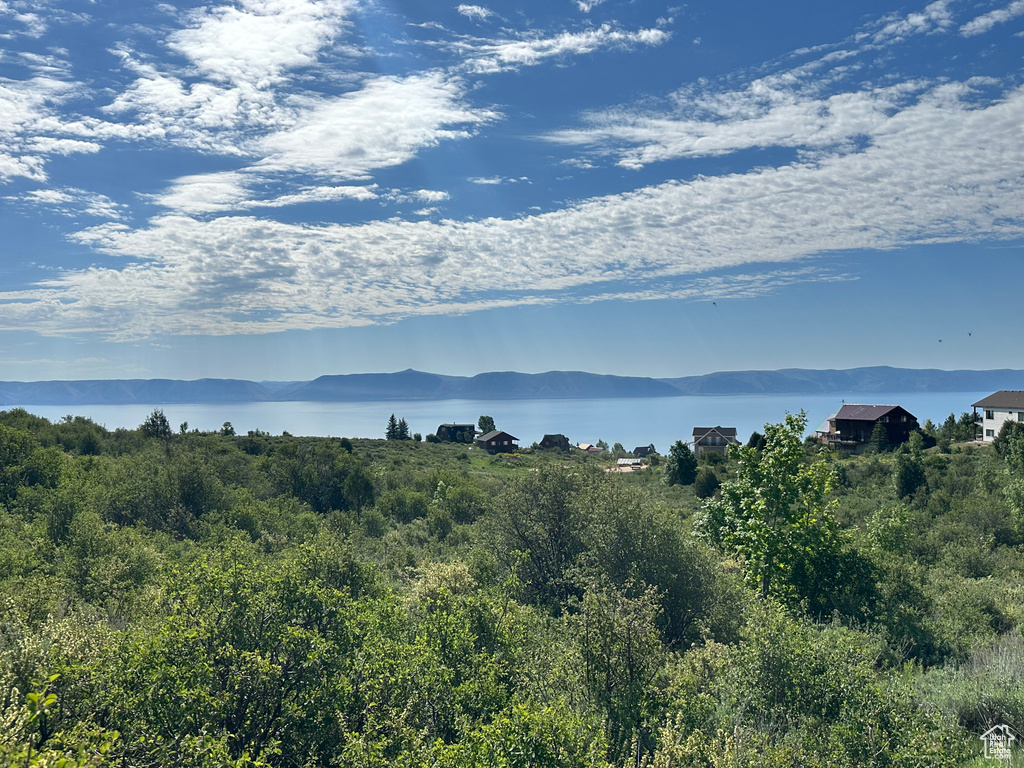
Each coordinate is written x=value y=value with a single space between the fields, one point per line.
x=177 y=598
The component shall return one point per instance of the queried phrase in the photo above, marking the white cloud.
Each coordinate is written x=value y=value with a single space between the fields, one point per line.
x=477 y=12
x=985 y=22
x=240 y=56
x=493 y=180
x=318 y=195
x=29 y=24
x=383 y=124
x=255 y=42
x=206 y=193
x=420 y=196
x=489 y=56
x=936 y=17
x=71 y=201
x=588 y=5
x=233 y=191
x=32 y=128
x=924 y=178
x=716 y=123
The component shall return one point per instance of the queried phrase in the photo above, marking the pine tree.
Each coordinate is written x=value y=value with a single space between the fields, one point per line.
x=681 y=468
x=391 y=433
x=403 y=430
x=879 y=438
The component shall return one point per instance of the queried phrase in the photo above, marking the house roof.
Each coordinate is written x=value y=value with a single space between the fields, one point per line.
x=699 y=432
x=1004 y=398
x=470 y=426
x=555 y=436
x=494 y=433
x=851 y=412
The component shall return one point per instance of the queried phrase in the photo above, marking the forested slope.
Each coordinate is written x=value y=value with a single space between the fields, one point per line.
x=214 y=599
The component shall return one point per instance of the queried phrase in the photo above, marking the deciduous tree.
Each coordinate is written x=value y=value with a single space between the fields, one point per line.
x=777 y=512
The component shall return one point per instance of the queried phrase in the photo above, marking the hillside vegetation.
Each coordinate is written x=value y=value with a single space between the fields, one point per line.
x=239 y=600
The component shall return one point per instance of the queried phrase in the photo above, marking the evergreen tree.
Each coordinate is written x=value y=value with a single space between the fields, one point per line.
x=706 y=483
x=403 y=430
x=681 y=468
x=486 y=424
x=156 y=425
x=879 y=438
x=391 y=433
x=909 y=474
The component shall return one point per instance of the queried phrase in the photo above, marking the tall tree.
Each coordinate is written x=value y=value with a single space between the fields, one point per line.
x=879 y=438
x=681 y=467
x=403 y=430
x=909 y=474
x=391 y=433
x=486 y=424
x=156 y=425
x=777 y=512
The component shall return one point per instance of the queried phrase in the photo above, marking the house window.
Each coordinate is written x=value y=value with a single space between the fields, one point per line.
x=989 y=414
x=990 y=433
x=1020 y=415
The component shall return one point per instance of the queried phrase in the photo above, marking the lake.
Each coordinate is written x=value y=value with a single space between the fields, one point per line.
x=632 y=422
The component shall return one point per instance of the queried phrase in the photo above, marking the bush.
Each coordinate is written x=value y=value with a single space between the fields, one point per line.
x=706 y=484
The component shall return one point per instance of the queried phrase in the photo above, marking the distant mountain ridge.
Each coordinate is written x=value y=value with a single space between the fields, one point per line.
x=509 y=385
x=802 y=381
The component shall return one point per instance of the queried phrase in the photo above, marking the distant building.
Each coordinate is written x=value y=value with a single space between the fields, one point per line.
x=996 y=410
x=497 y=441
x=555 y=441
x=852 y=427
x=643 y=451
x=456 y=433
x=713 y=439
x=588 y=448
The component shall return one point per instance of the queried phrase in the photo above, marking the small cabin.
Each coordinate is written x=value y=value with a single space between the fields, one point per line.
x=561 y=442
x=456 y=433
x=497 y=441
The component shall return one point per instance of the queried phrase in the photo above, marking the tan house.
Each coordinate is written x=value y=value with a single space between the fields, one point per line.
x=713 y=439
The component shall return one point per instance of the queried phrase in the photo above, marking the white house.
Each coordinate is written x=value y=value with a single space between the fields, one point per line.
x=1005 y=405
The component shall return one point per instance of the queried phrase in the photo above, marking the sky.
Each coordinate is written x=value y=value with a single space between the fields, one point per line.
x=280 y=189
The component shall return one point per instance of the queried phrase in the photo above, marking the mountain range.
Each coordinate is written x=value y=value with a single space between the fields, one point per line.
x=417 y=385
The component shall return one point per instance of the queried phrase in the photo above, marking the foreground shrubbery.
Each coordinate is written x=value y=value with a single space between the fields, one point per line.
x=215 y=599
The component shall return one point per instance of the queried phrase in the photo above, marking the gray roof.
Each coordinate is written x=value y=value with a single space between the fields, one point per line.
x=723 y=431
x=493 y=434
x=865 y=412
x=1004 y=398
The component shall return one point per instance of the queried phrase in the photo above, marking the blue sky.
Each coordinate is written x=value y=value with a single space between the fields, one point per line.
x=278 y=189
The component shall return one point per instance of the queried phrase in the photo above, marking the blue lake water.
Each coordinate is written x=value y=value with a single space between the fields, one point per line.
x=632 y=422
